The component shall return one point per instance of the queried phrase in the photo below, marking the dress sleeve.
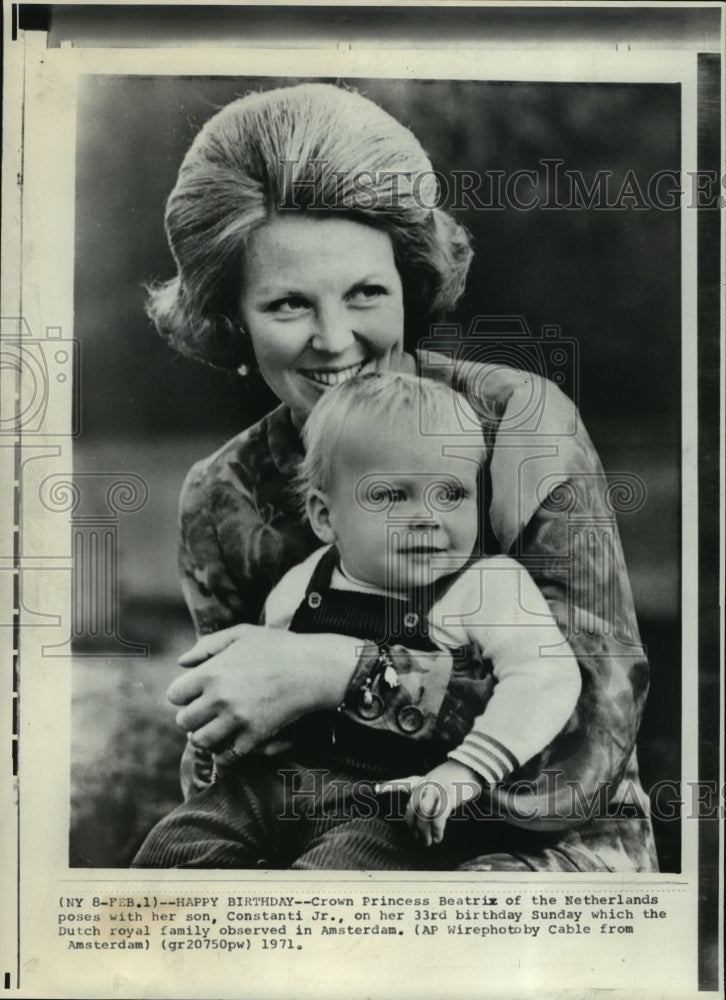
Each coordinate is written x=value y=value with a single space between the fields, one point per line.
x=213 y=601
x=230 y=554
x=560 y=523
x=224 y=541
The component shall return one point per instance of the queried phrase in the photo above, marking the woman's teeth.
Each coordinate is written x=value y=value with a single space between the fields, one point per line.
x=326 y=376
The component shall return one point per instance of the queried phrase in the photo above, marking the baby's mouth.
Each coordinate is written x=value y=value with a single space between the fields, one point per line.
x=421 y=550
x=333 y=376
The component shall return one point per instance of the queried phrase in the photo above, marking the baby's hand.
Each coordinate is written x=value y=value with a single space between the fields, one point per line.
x=435 y=796
x=210 y=645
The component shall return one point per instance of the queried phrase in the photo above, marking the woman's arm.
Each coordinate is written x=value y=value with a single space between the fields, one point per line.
x=262 y=682
x=268 y=678
x=575 y=558
x=566 y=535
x=230 y=555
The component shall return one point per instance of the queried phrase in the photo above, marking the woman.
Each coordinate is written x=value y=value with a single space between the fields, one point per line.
x=306 y=246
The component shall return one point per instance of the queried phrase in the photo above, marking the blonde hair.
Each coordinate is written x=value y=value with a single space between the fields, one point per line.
x=302 y=148
x=392 y=402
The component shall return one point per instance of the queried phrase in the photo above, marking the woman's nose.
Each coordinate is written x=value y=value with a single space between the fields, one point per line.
x=332 y=332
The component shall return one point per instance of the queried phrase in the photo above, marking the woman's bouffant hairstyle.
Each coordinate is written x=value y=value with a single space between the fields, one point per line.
x=312 y=147
x=382 y=404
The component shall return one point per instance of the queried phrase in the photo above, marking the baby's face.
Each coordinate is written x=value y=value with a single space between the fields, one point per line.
x=403 y=513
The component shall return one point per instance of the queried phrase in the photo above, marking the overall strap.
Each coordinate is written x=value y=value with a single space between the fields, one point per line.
x=380 y=618
x=322 y=574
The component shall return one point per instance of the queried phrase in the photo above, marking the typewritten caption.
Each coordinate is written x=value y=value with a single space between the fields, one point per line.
x=277 y=922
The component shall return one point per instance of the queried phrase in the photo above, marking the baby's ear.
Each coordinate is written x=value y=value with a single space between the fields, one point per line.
x=318 y=511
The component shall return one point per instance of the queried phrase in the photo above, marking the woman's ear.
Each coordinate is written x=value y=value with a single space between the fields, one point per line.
x=318 y=511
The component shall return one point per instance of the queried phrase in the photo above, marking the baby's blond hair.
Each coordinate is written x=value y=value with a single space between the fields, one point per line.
x=390 y=401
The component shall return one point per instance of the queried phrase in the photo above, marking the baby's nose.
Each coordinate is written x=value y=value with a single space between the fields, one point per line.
x=421 y=515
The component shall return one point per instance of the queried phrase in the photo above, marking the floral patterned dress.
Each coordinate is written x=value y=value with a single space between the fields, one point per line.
x=579 y=805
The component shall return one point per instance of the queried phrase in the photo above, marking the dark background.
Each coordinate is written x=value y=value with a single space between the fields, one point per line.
x=609 y=279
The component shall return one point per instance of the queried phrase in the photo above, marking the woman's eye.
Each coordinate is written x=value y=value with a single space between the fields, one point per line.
x=364 y=294
x=288 y=306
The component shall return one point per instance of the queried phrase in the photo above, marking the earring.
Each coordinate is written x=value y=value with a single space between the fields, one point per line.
x=244 y=368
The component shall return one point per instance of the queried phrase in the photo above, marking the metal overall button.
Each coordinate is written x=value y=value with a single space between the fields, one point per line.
x=369 y=707
x=410 y=719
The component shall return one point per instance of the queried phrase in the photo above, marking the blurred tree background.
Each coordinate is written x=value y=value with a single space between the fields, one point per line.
x=610 y=279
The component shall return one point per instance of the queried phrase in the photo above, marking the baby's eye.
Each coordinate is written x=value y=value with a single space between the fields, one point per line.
x=447 y=495
x=386 y=495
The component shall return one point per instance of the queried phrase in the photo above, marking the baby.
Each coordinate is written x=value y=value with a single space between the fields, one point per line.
x=390 y=485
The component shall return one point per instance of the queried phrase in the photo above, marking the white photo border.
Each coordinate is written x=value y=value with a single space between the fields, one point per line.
x=38 y=222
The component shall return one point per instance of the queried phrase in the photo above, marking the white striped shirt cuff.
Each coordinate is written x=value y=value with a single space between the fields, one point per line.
x=485 y=755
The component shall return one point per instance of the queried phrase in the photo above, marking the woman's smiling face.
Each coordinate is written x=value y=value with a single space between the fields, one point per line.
x=321 y=300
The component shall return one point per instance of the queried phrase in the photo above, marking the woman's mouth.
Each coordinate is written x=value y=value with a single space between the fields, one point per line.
x=333 y=376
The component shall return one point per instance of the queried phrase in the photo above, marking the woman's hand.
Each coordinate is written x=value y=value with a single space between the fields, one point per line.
x=210 y=645
x=252 y=681
x=434 y=796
